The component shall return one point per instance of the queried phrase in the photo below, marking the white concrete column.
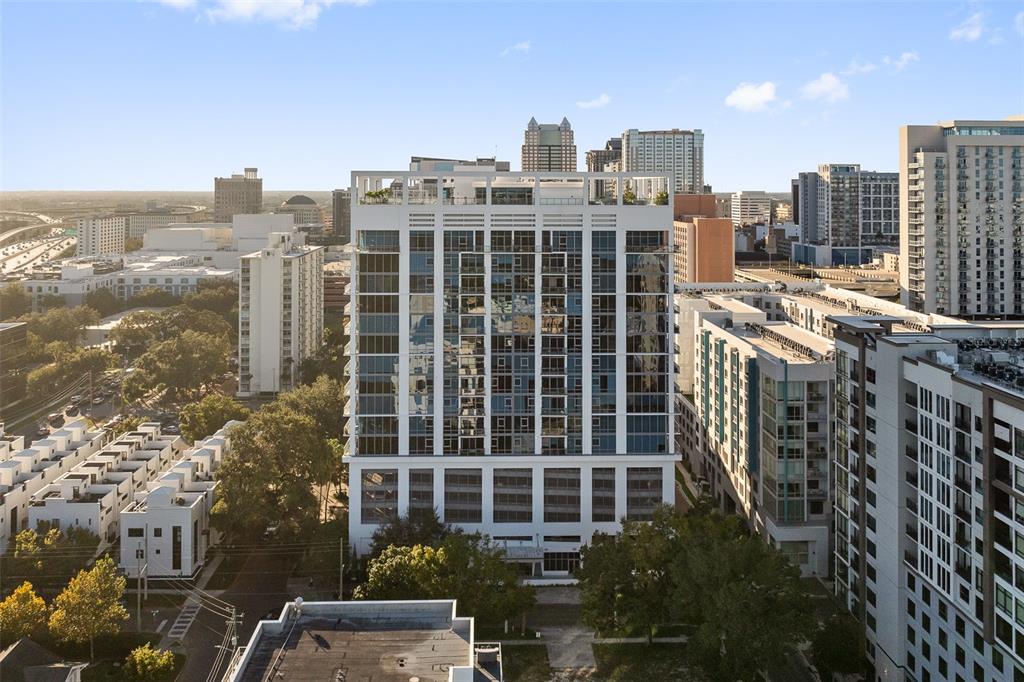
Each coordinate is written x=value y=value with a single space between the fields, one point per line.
x=403 y=489
x=438 y=489
x=487 y=495
x=586 y=499
x=403 y=338
x=620 y=492
x=538 y=499
x=588 y=336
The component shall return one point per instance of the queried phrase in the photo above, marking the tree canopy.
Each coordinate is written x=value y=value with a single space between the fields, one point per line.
x=61 y=324
x=90 y=606
x=103 y=301
x=406 y=531
x=48 y=556
x=742 y=596
x=202 y=419
x=467 y=568
x=14 y=301
x=182 y=365
x=22 y=614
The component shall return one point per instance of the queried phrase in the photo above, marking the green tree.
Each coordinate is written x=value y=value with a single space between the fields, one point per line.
x=22 y=614
x=202 y=419
x=185 y=364
x=90 y=606
x=407 y=531
x=68 y=365
x=103 y=301
x=135 y=332
x=49 y=556
x=178 y=319
x=14 y=301
x=61 y=324
x=266 y=477
x=629 y=196
x=661 y=198
x=132 y=244
x=323 y=400
x=624 y=578
x=147 y=664
x=217 y=296
x=467 y=568
x=743 y=595
x=837 y=646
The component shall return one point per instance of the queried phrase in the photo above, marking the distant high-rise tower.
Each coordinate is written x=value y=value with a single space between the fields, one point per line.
x=962 y=218
x=341 y=211
x=676 y=153
x=549 y=147
x=598 y=158
x=237 y=194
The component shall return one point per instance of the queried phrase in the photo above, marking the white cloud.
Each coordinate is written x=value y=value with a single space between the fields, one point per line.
x=291 y=14
x=751 y=96
x=970 y=29
x=598 y=102
x=903 y=61
x=856 y=68
x=826 y=87
x=1018 y=23
x=521 y=46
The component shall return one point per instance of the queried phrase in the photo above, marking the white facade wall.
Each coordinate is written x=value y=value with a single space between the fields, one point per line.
x=464 y=205
x=100 y=235
x=676 y=153
x=280 y=314
x=750 y=207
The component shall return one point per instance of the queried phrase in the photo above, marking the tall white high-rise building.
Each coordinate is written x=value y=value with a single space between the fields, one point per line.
x=100 y=235
x=676 y=153
x=511 y=356
x=962 y=218
x=280 y=314
x=929 y=517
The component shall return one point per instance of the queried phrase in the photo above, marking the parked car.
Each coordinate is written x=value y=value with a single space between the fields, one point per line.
x=71 y=410
x=99 y=400
x=55 y=419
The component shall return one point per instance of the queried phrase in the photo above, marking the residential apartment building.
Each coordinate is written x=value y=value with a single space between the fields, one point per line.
x=750 y=207
x=706 y=250
x=929 y=527
x=237 y=194
x=762 y=395
x=549 y=147
x=511 y=357
x=804 y=191
x=341 y=215
x=676 y=153
x=92 y=494
x=280 y=313
x=100 y=235
x=25 y=470
x=962 y=218
x=165 y=530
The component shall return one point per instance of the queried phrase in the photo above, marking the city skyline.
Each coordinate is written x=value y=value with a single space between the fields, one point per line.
x=311 y=90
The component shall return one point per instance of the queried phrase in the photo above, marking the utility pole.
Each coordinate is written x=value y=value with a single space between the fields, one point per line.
x=138 y=588
x=341 y=570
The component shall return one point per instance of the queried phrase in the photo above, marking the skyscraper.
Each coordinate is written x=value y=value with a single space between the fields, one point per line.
x=280 y=313
x=597 y=158
x=511 y=357
x=237 y=194
x=549 y=147
x=100 y=235
x=962 y=218
x=341 y=212
x=676 y=153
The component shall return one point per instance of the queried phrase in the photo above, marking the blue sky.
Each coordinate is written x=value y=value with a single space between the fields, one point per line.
x=165 y=95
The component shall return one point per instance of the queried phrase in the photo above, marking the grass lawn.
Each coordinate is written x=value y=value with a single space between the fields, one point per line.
x=527 y=663
x=629 y=662
x=109 y=671
x=226 y=573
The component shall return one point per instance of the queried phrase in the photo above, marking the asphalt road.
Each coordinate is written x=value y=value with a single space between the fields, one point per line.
x=260 y=587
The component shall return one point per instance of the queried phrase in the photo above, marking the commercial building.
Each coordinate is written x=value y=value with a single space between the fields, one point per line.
x=705 y=250
x=13 y=351
x=220 y=245
x=237 y=194
x=962 y=218
x=549 y=147
x=341 y=215
x=686 y=206
x=137 y=224
x=429 y=164
x=750 y=207
x=679 y=154
x=511 y=357
x=304 y=211
x=100 y=235
x=367 y=640
x=598 y=159
x=125 y=276
x=844 y=214
x=165 y=530
x=928 y=524
x=280 y=313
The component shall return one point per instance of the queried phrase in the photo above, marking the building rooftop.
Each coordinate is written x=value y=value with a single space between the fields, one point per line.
x=382 y=641
x=300 y=200
x=787 y=341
